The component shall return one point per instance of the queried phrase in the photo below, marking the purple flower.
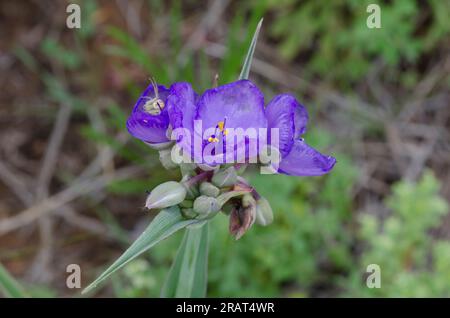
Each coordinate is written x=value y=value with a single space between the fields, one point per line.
x=222 y=111
x=149 y=119
x=237 y=105
x=290 y=117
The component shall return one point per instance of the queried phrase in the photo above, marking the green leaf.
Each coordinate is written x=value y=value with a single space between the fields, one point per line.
x=188 y=274
x=167 y=222
x=9 y=286
x=251 y=50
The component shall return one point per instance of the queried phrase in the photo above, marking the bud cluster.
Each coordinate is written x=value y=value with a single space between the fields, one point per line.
x=203 y=192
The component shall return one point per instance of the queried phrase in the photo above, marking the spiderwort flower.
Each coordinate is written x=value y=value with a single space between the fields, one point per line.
x=219 y=112
x=290 y=117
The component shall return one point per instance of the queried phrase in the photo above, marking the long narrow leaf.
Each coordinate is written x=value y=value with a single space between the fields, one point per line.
x=167 y=222
x=9 y=286
x=251 y=50
x=188 y=274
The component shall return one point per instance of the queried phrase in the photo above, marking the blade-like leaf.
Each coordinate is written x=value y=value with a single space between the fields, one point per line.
x=188 y=274
x=251 y=50
x=9 y=286
x=167 y=222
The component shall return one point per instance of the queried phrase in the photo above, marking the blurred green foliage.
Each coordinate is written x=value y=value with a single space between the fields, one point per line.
x=412 y=263
x=335 y=41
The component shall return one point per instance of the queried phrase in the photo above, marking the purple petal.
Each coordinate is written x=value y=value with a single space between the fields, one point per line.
x=181 y=105
x=303 y=160
x=241 y=103
x=280 y=115
x=300 y=120
x=147 y=127
x=290 y=117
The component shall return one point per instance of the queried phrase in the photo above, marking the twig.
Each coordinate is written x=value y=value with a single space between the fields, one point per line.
x=56 y=201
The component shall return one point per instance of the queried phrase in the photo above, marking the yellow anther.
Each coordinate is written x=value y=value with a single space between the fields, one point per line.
x=220 y=125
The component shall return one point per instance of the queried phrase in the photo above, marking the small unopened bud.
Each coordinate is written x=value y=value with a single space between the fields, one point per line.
x=209 y=189
x=264 y=214
x=206 y=206
x=224 y=178
x=192 y=190
x=186 y=204
x=188 y=213
x=165 y=156
x=165 y=195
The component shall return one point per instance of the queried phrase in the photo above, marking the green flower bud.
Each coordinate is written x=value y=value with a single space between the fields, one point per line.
x=165 y=156
x=208 y=189
x=165 y=195
x=188 y=213
x=187 y=169
x=264 y=213
x=224 y=178
x=192 y=191
x=206 y=206
x=186 y=204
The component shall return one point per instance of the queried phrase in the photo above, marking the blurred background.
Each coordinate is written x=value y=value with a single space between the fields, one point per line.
x=73 y=182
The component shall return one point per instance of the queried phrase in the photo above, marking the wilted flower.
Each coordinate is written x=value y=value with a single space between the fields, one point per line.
x=242 y=216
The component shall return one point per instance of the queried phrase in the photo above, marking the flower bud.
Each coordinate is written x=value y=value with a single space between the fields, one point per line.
x=224 y=178
x=188 y=213
x=192 y=190
x=264 y=214
x=165 y=156
x=165 y=195
x=206 y=206
x=208 y=189
x=186 y=204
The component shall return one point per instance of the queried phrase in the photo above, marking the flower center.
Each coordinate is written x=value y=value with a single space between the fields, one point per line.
x=220 y=129
x=154 y=106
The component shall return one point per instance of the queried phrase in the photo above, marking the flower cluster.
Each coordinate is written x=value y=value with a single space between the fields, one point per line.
x=216 y=135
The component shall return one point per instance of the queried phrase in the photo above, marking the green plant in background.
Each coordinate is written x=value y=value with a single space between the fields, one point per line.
x=334 y=36
x=412 y=263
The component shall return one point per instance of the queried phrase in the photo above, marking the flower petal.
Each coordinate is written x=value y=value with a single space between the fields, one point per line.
x=147 y=127
x=181 y=105
x=304 y=160
x=280 y=115
x=240 y=102
x=290 y=117
x=300 y=120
